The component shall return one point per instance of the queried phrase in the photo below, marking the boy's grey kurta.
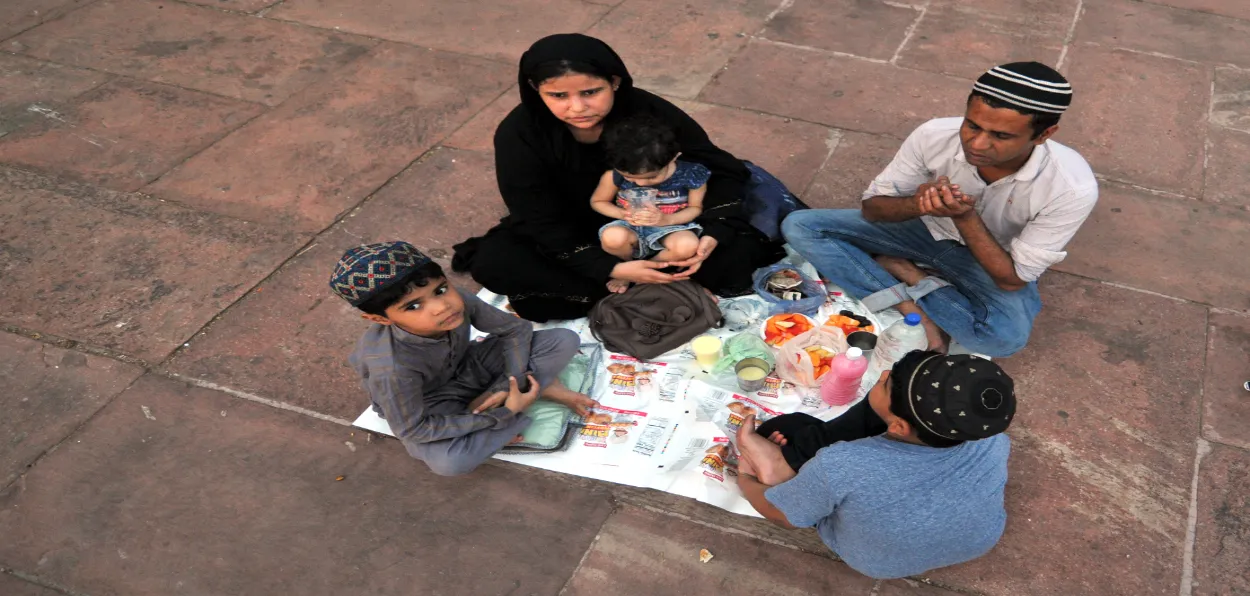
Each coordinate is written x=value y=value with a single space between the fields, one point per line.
x=423 y=386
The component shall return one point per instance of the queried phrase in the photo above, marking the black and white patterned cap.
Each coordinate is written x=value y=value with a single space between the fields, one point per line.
x=1029 y=85
x=961 y=397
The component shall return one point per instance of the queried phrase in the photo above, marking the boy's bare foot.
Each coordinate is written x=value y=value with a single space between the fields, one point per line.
x=617 y=286
x=902 y=269
x=516 y=439
x=580 y=403
x=765 y=457
x=778 y=438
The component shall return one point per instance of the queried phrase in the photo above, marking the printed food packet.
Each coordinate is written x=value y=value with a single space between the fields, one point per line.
x=714 y=464
x=632 y=384
x=729 y=418
x=611 y=428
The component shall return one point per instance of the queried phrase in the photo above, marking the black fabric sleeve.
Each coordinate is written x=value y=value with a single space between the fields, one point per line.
x=539 y=215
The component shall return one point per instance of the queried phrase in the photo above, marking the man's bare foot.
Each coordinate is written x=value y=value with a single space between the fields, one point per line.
x=765 y=457
x=516 y=439
x=580 y=403
x=617 y=286
x=902 y=269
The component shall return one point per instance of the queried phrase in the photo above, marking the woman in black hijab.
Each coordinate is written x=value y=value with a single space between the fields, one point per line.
x=545 y=255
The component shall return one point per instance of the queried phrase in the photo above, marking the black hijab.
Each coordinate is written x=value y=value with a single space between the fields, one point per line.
x=575 y=48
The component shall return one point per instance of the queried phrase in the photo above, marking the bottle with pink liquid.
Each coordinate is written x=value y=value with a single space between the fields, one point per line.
x=841 y=384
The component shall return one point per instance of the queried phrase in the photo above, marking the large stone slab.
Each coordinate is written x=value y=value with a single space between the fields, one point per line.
x=119 y=271
x=499 y=29
x=1102 y=447
x=124 y=133
x=1162 y=244
x=20 y=15
x=208 y=50
x=1138 y=118
x=48 y=393
x=1222 y=542
x=1228 y=167
x=868 y=28
x=30 y=87
x=858 y=159
x=642 y=552
x=305 y=163
x=290 y=339
x=791 y=150
x=1226 y=417
x=217 y=495
x=838 y=91
x=695 y=41
x=1150 y=27
x=964 y=38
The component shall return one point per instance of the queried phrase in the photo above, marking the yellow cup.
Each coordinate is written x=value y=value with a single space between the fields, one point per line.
x=706 y=350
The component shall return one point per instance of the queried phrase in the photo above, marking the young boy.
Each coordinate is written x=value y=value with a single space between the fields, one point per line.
x=654 y=197
x=925 y=492
x=451 y=401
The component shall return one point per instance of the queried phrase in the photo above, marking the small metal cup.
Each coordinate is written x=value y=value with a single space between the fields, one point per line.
x=751 y=385
x=864 y=340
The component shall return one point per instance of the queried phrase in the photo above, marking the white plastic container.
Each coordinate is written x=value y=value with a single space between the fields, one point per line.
x=904 y=336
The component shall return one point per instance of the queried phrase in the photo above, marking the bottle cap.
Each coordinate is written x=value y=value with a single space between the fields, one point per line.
x=854 y=353
x=912 y=319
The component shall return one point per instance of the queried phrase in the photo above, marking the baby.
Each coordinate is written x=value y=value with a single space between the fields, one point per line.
x=653 y=197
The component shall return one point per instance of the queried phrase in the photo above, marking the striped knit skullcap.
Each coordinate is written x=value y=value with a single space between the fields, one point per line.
x=1029 y=85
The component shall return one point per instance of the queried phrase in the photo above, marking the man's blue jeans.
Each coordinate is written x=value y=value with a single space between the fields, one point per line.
x=975 y=312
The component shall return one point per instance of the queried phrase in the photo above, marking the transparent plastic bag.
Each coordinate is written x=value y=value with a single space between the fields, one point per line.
x=739 y=348
x=813 y=294
x=794 y=363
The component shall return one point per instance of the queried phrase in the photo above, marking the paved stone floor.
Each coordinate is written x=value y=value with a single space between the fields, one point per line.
x=178 y=177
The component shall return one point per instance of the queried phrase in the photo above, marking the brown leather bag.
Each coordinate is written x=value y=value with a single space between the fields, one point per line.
x=651 y=319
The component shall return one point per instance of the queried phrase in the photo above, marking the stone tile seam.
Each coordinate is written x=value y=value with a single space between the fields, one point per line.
x=53 y=19
x=911 y=31
x=39 y=581
x=1191 y=525
x=1207 y=142
x=1202 y=12
x=116 y=75
x=1067 y=39
x=586 y=555
x=833 y=141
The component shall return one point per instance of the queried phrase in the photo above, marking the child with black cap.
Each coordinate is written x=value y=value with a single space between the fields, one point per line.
x=914 y=481
x=453 y=402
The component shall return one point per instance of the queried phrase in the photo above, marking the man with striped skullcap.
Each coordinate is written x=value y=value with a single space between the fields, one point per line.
x=966 y=218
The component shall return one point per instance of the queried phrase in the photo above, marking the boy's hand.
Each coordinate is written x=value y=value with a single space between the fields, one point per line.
x=487 y=402
x=518 y=401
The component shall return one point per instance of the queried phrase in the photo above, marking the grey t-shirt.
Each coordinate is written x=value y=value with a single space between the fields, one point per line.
x=893 y=509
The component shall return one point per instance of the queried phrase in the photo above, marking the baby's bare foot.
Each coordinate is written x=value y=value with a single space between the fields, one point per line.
x=617 y=286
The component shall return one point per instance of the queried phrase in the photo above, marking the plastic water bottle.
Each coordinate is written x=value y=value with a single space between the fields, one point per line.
x=900 y=338
x=841 y=384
